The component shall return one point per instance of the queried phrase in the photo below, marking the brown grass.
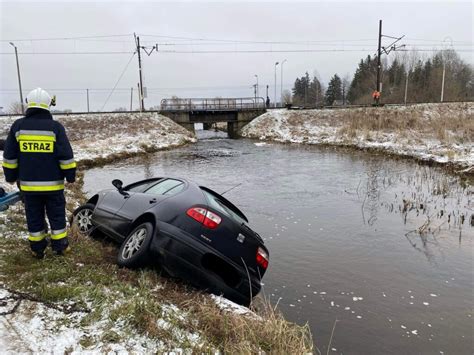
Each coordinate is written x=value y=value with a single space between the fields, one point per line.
x=103 y=126
x=412 y=121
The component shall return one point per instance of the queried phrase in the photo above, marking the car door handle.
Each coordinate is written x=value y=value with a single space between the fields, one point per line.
x=153 y=200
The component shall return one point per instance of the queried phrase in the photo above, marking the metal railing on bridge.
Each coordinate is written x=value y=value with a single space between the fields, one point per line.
x=213 y=104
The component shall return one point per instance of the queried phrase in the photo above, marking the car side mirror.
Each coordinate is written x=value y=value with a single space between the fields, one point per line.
x=119 y=185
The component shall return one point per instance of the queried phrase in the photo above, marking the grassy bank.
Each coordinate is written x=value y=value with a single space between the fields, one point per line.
x=438 y=133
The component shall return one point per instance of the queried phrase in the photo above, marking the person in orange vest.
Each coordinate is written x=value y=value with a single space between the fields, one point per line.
x=376 y=97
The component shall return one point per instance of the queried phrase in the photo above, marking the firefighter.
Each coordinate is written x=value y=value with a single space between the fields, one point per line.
x=39 y=157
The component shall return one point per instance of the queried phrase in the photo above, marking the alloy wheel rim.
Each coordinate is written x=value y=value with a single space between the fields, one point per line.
x=134 y=243
x=84 y=221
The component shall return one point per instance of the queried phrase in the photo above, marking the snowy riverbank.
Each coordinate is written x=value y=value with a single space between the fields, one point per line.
x=442 y=133
x=102 y=136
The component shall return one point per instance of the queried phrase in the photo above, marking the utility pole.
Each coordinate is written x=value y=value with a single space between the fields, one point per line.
x=379 y=54
x=131 y=98
x=19 y=78
x=87 y=93
x=255 y=91
x=140 y=87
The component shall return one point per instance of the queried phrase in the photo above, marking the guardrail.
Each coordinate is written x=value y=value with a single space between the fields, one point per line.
x=214 y=104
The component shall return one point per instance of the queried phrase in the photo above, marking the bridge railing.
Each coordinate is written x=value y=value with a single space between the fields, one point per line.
x=213 y=104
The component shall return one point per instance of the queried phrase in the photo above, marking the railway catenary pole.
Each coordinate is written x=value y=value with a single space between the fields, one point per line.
x=140 y=88
x=379 y=54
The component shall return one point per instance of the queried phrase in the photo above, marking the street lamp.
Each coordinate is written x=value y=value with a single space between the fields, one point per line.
x=19 y=79
x=275 y=93
x=256 y=76
x=281 y=81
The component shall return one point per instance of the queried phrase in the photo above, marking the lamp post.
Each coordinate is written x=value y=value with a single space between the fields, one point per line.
x=256 y=76
x=281 y=81
x=275 y=92
x=19 y=78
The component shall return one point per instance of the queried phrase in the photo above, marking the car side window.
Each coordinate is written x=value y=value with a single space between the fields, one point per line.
x=166 y=187
x=141 y=187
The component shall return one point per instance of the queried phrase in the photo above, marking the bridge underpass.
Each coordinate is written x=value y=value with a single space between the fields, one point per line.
x=236 y=112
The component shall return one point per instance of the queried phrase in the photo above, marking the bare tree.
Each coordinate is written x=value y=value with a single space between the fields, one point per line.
x=286 y=97
x=346 y=83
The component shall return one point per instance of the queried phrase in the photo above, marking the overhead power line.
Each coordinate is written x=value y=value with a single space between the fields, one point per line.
x=214 y=41
x=216 y=51
x=67 y=53
x=118 y=80
x=63 y=38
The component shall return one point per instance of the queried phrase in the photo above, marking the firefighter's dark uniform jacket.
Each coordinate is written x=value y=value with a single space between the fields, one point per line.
x=38 y=155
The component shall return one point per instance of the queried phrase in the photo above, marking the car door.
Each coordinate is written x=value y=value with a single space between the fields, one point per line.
x=106 y=210
x=140 y=202
x=105 y=214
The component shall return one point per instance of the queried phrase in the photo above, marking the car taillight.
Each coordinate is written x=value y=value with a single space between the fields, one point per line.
x=204 y=216
x=262 y=258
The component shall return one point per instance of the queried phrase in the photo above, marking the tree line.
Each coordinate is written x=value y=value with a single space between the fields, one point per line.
x=408 y=75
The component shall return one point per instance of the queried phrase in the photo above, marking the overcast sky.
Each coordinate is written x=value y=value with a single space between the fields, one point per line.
x=331 y=37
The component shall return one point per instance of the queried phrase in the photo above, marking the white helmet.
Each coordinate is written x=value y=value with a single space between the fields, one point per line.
x=38 y=98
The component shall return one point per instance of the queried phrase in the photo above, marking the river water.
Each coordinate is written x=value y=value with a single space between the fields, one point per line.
x=376 y=250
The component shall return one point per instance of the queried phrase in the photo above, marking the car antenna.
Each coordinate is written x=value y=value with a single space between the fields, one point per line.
x=233 y=187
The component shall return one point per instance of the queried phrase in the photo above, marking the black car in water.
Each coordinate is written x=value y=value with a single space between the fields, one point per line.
x=192 y=232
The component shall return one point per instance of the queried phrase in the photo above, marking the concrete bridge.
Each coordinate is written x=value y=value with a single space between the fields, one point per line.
x=236 y=112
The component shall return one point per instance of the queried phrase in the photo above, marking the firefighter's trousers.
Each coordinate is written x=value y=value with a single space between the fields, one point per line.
x=54 y=205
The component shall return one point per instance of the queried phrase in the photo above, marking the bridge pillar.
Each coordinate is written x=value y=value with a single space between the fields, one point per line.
x=181 y=118
x=243 y=118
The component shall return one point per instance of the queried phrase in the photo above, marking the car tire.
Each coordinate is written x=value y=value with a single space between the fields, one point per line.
x=134 y=250
x=82 y=219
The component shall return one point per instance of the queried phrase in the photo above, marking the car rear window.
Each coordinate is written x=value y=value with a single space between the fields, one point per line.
x=166 y=187
x=218 y=205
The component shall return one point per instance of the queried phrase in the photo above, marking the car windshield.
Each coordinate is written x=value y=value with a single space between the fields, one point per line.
x=218 y=205
x=166 y=187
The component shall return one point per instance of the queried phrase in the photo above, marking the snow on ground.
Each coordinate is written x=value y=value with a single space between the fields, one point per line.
x=104 y=135
x=229 y=306
x=439 y=132
x=35 y=328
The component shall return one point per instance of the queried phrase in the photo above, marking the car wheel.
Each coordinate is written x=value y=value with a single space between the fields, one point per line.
x=134 y=249
x=82 y=218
